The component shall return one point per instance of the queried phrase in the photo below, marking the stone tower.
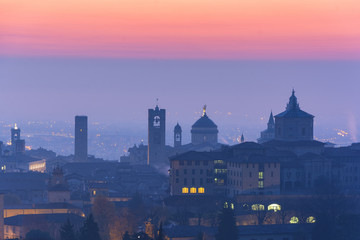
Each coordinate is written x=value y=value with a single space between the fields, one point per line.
x=177 y=136
x=294 y=124
x=156 y=135
x=81 y=138
x=15 y=134
x=18 y=145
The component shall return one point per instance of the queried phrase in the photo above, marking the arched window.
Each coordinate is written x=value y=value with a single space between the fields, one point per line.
x=311 y=219
x=294 y=220
x=156 y=121
x=257 y=207
x=185 y=190
x=275 y=207
x=192 y=190
x=201 y=190
x=177 y=137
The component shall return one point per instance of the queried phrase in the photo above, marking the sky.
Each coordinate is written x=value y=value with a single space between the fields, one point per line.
x=230 y=29
x=111 y=59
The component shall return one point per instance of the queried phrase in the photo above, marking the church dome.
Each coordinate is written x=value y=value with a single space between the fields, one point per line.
x=204 y=122
x=204 y=130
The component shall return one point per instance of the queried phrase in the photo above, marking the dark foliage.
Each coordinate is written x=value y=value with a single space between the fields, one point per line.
x=126 y=236
x=67 y=231
x=37 y=235
x=90 y=230
x=160 y=233
x=227 y=229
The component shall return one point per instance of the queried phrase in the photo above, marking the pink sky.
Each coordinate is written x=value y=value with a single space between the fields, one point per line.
x=229 y=29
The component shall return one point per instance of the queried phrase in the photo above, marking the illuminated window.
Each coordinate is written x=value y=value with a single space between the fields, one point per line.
x=261 y=184
x=261 y=175
x=219 y=181
x=226 y=205
x=185 y=190
x=232 y=206
x=294 y=220
x=192 y=190
x=201 y=190
x=94 y=192
x=257 y=207
x=275 y=207
x=311 y=219
x=218 y=161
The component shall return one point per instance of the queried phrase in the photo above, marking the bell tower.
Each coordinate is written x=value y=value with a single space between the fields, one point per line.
x=177 y=136
x=156 y=135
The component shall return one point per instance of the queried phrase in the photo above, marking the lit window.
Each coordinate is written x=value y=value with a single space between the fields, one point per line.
x=261 y=175
x=201 y=190
x=94 y=192
x=185 y=190
x=261 y=184
x=311 y=219
x=294 y=220
x=232 y=206
x=192 y=190
x=275 y=207
x=258 y=207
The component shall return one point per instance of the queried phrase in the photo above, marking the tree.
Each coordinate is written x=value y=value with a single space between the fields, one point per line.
x=90 y=230
x=67 y=231
x=137 y=207
x=334 y=213
x=141 y=236
x=227 y=229
x=126 y=236
x=105 y=215
x=37 y=235
x=160 y=233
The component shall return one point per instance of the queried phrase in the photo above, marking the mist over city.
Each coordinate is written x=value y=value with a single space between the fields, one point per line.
x=179 y=120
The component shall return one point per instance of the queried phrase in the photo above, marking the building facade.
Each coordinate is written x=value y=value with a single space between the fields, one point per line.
x=192 y=173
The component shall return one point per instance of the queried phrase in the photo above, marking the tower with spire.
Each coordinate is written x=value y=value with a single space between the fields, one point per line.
x=294 y=124
x=156 y=135
x=17 y=144
x=269 y=133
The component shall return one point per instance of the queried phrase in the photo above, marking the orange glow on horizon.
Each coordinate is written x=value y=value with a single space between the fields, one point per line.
x=232 y=29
